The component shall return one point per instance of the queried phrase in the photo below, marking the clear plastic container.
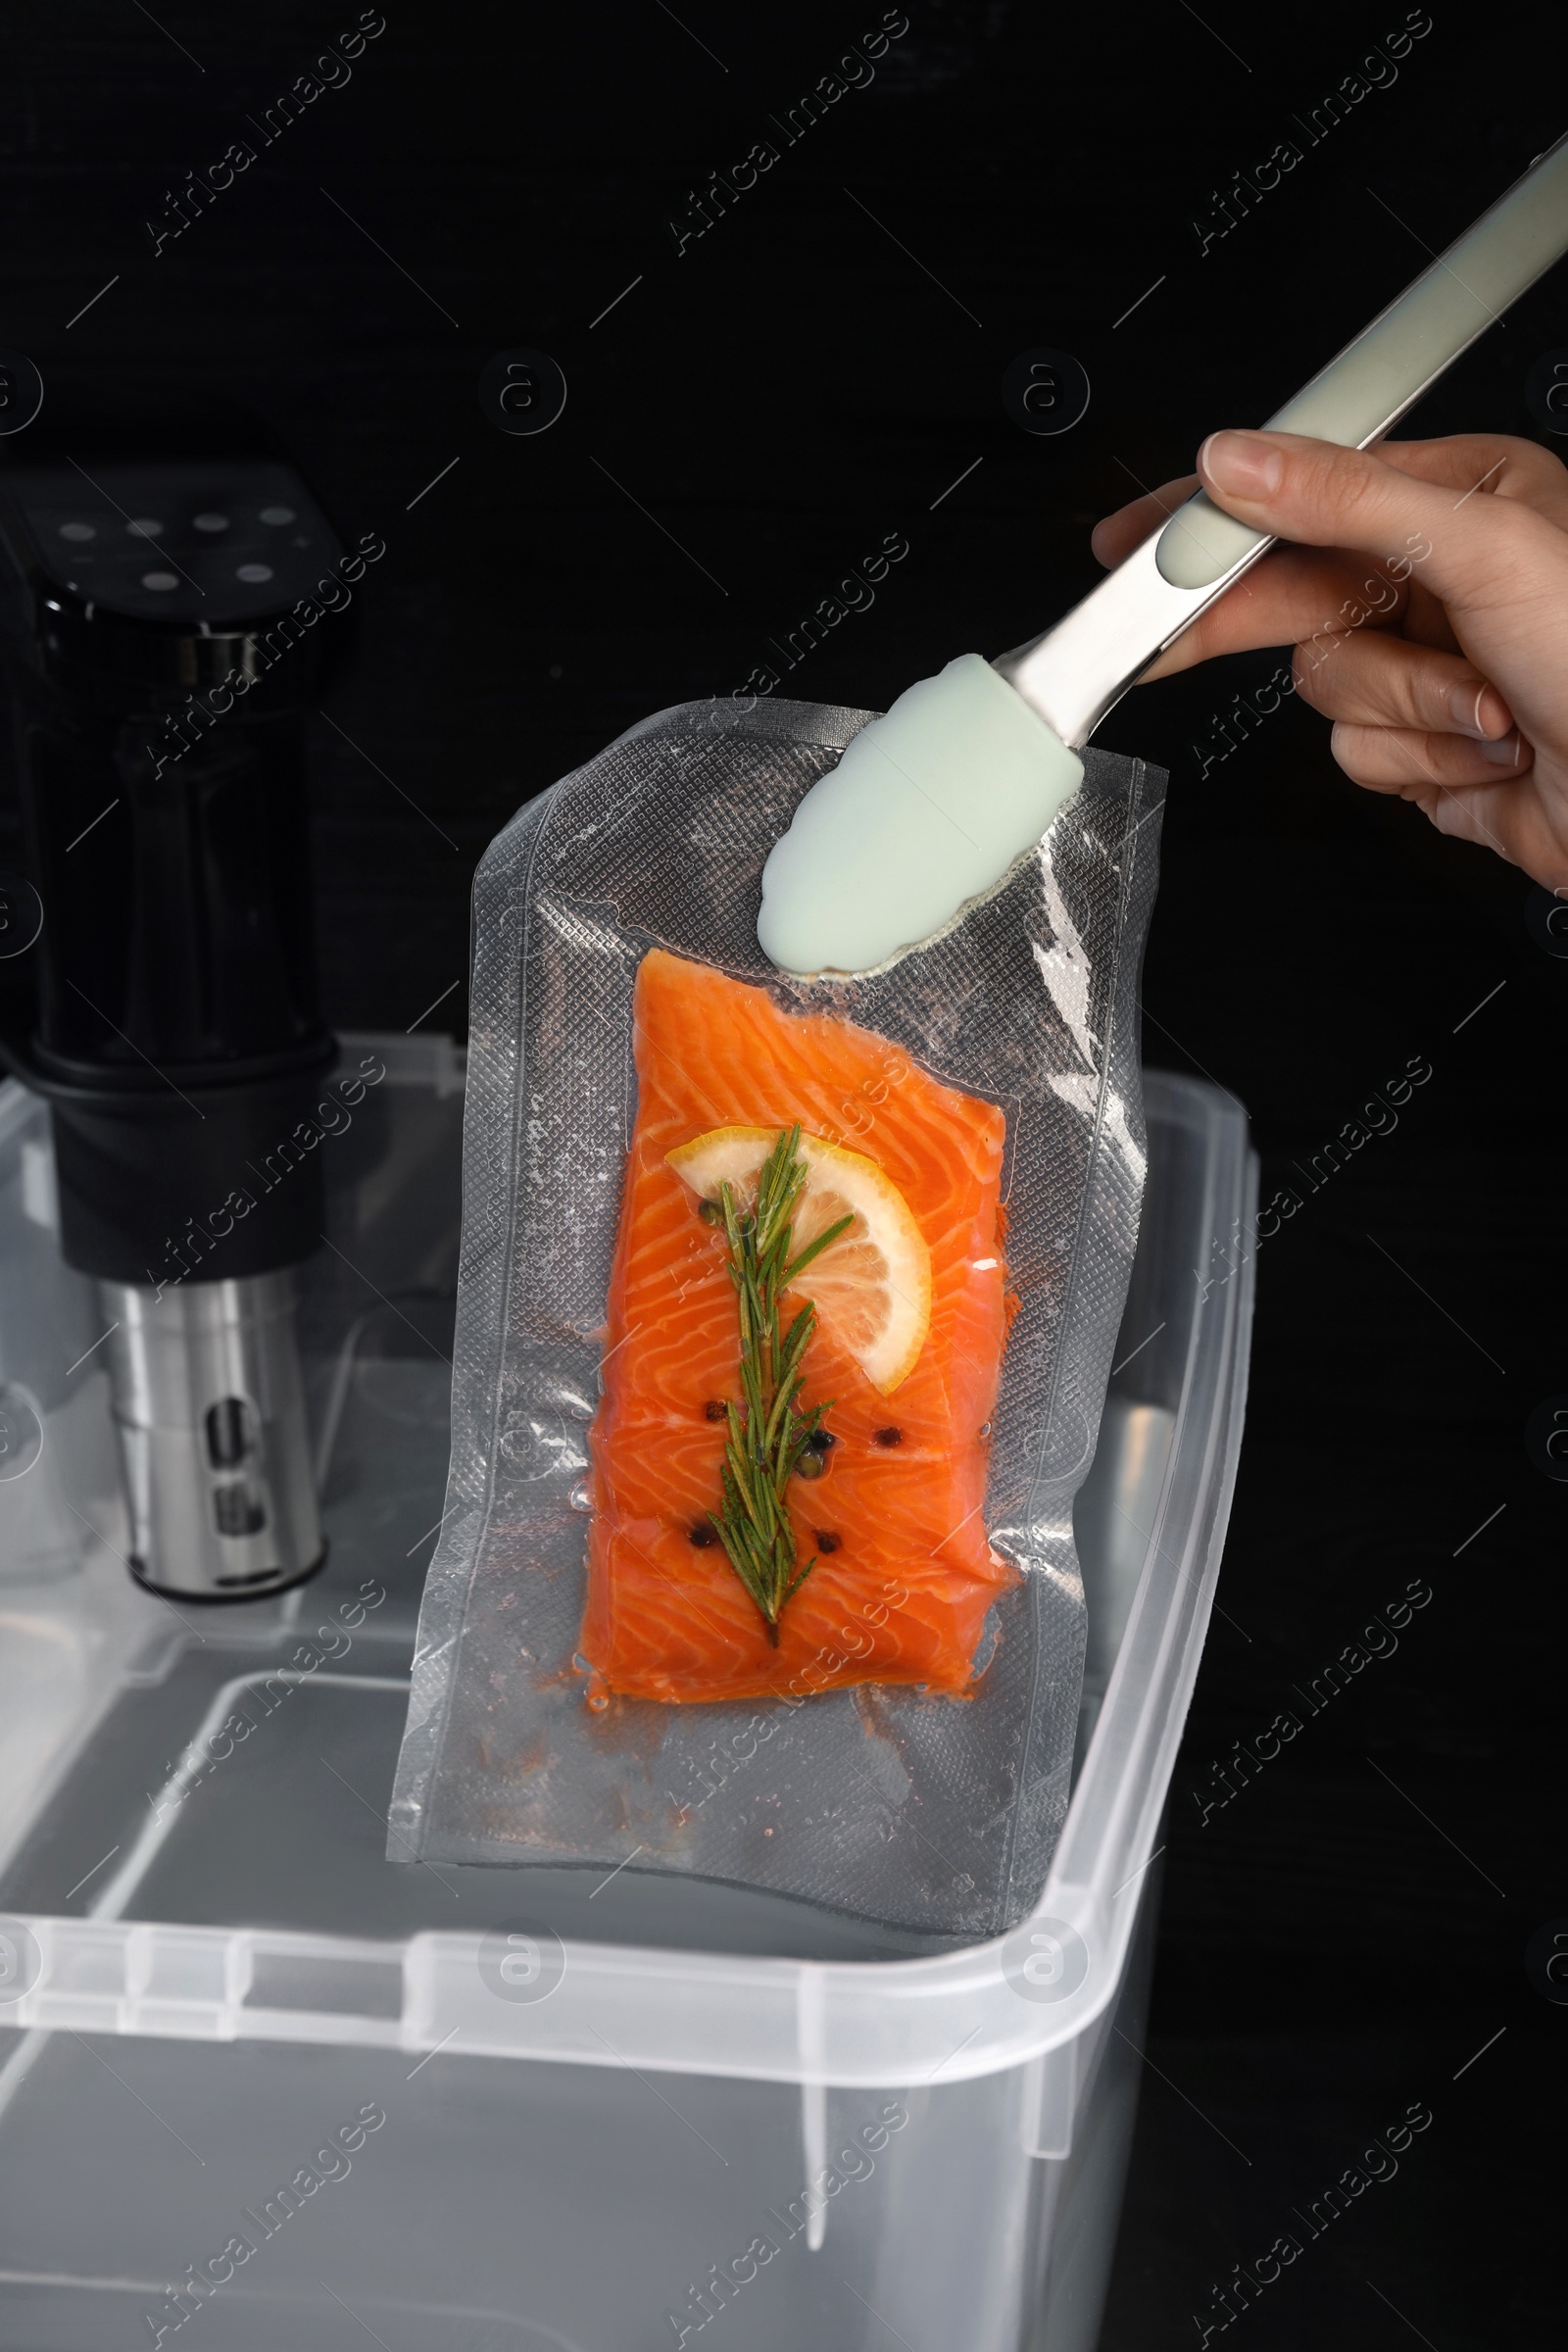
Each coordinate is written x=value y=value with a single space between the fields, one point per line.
x=617 y=2114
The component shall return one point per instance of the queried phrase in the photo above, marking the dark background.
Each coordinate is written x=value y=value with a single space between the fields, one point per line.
x=1340 y=1941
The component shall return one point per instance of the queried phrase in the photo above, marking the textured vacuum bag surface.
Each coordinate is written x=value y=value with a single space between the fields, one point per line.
x=913 y=1807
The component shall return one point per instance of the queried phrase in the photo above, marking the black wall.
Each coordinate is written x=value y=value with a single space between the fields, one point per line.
x=753 y=417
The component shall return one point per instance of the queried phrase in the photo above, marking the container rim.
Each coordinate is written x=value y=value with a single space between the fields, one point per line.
x=946 y=2018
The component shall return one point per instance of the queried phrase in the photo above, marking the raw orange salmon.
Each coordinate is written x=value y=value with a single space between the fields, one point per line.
x=903 y=1574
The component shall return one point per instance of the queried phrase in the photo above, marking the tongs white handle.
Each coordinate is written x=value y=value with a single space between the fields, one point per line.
x=1073 y=674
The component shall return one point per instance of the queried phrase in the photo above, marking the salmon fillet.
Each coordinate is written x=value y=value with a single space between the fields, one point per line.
x=903 y=1574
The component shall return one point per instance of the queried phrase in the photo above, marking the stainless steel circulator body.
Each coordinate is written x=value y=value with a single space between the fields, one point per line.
x=209 y=1405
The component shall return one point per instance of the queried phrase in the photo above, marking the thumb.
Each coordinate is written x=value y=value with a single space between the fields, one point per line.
x=1320 y=495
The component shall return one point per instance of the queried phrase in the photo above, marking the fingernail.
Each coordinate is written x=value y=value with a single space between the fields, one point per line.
x=1244 y=463
x=1504 y=753
x=1478 y=710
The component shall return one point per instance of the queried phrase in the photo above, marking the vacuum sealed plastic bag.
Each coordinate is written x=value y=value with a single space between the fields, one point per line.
x=785 y=1316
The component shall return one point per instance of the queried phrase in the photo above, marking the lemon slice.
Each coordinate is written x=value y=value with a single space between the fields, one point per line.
x=872 y=1287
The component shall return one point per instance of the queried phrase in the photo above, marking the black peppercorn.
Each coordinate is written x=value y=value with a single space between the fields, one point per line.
x=701 y=1535
x=890 y=1437
x=826 y=1542
x=714 y=1409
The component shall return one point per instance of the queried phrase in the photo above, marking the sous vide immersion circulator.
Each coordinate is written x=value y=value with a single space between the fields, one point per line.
x=149 y=571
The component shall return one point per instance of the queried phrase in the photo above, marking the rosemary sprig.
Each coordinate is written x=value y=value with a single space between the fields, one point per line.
x=768 y=1434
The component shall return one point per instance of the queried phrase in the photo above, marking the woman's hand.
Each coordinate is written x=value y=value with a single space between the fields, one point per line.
x=1424 y=589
